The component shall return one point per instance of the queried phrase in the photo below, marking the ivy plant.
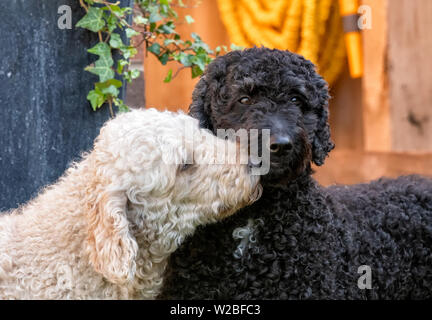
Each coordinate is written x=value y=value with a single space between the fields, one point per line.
x=154 y=23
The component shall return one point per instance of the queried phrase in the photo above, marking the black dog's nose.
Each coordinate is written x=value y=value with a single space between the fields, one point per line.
x=280 y=144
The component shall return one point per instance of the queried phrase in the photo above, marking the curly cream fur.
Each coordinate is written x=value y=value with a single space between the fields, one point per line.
x=106 y=228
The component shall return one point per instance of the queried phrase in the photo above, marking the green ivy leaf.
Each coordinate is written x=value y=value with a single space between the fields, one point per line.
x=118 y=10
x=200 y=60
x=189 y=19
x=152 y=26
x=135 y=73
x=121 y=105
x=164 y=58
x=154 y=48
x=196 y=37
x=131 y=33
x=169 y=76
x=201 y=47
x=167 y=42
x=166 y=28
x=131 y=74
x=184 y=59
x=100 y=49
x=196 y=71
x=121 y=64
x=111 y=91
x=92 y=20
x=111 y=22
x=96 y=98
x=102 y=66
x=165 y=8
x=116 y=41
x=102 y=71
x=155 y=17
x=140 y=20
x=111 y=82
x=128 y=52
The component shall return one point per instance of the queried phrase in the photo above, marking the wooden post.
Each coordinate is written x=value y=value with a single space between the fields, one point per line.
x=376 y=108
x=410 y=74
x=45 y=118
x=397 y=82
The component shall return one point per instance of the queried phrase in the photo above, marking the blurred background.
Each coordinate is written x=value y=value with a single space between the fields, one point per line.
x=381 y=106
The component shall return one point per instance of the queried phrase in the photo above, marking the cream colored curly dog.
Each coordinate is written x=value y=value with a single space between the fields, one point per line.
x=107 y=227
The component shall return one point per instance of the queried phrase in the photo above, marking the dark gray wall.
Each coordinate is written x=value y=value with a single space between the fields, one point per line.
x=45 y=119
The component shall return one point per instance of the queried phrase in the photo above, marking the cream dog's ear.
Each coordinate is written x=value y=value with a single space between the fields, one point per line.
x=111 y=246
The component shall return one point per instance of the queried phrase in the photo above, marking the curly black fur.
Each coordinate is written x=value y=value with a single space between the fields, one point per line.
x=304 y=241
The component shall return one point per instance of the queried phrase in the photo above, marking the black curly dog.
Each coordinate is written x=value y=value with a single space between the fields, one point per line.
x=300 y=240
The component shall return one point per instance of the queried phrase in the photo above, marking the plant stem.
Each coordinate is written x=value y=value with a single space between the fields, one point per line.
x=83 y=5
x=178 y=71
x=111 y=108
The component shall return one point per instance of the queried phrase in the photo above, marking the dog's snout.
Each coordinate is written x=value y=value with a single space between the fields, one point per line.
x=280 y=144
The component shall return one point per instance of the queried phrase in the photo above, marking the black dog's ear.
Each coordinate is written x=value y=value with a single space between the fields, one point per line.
x=200 y=107
x=322 y=143
x=211 y=91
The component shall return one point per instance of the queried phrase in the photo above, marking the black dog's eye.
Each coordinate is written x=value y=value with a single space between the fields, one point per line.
x=245 y=100
x=296 y=100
